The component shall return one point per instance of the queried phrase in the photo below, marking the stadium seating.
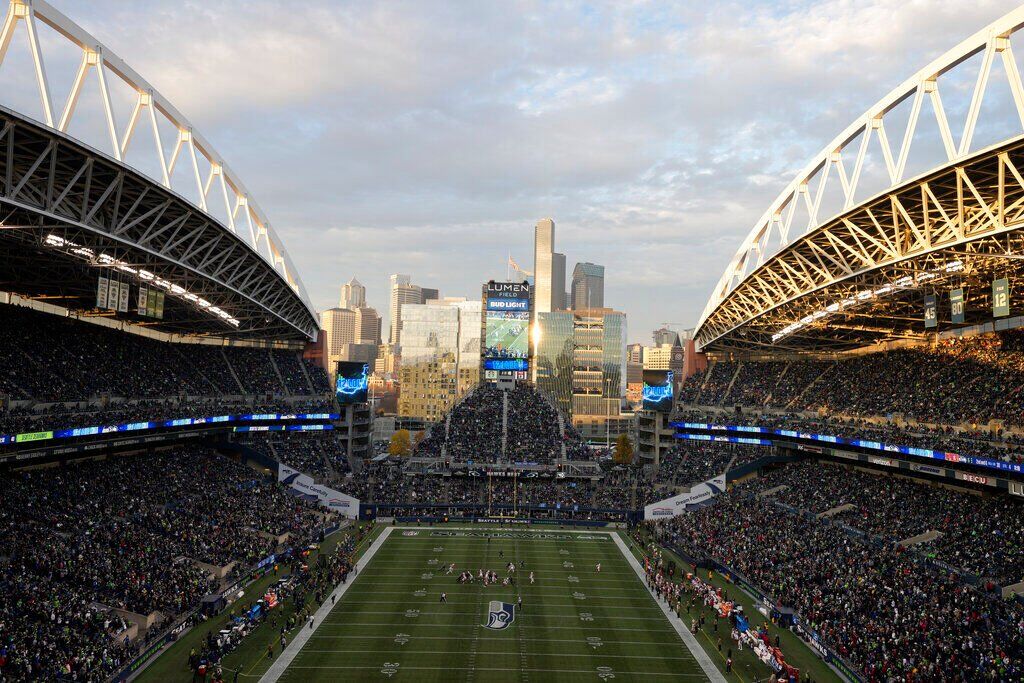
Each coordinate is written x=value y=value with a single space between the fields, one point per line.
x=474 y=429
x=138 y=533
x=967 y=380
x=887 y=610
x=56 y=359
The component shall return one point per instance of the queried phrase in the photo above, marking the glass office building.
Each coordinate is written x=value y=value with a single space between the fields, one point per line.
x=440 y=356
x=580 y=361
x=553 y=358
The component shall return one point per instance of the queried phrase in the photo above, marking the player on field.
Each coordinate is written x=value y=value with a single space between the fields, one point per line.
x=531 y=578
x=598 y=567
x=444 y=597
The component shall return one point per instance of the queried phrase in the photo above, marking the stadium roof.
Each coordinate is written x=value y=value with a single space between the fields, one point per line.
x=860 y=274
x=71 y=213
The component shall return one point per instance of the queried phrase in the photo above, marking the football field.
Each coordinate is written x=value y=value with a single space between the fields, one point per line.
x=574 y=624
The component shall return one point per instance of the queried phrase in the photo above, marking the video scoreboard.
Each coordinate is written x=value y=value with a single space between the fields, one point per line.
x=506 y=329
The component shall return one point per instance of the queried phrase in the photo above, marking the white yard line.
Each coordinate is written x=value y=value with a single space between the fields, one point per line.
x=510 y=653
x=696 y=650
x=505 y=669
x=390 y=636
x=281 y=663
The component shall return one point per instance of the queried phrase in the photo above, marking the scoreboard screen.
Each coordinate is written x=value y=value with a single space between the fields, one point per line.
x=658 y=390
x=507 y=326
x=352 y=383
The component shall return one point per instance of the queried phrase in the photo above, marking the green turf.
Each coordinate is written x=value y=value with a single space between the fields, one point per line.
x=575 y=624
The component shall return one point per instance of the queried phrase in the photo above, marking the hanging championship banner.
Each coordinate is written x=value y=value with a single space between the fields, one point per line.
x=930 y=313
x=160 y=305
x=113 y=294
x=956 y=306
x=1000 y=298
x=122 y=303
x=101 y=292
x=151 y=302
x=142 y=299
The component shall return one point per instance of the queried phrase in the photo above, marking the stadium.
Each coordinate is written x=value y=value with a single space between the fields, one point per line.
x=189 y=494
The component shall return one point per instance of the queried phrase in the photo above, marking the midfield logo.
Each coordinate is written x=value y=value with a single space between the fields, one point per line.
x=500 y=615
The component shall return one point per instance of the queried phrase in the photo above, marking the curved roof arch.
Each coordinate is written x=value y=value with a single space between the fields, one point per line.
x=843 y=160
x=215 y=182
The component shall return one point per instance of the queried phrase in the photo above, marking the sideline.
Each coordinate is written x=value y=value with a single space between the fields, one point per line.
x=710 y=670
x=281 y=664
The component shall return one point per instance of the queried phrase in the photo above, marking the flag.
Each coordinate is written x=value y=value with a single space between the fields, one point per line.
x=512 y=263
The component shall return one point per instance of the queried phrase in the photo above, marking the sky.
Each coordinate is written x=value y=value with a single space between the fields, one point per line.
x=429 y=137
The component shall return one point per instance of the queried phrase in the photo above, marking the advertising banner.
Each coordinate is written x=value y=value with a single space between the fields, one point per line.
x=677 y=505
x=335 y=501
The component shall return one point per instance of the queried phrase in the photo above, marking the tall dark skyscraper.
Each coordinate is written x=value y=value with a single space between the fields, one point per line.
x=587 y=286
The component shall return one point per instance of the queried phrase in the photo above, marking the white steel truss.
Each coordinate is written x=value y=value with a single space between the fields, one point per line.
x=221 y=184
x=842 y=161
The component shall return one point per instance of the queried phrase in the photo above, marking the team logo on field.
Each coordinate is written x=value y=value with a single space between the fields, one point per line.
x=410 y=533
x=500 y=615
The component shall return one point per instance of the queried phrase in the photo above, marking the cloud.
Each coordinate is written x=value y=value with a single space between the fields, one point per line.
x=428 y=137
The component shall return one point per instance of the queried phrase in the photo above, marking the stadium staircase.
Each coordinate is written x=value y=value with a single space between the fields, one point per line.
x=231 y=369
x=796 y=399
x=703 y=385
x=728 y=389
x=768 y=399
x=504 y=425
x=277 y=372
x=309 y=380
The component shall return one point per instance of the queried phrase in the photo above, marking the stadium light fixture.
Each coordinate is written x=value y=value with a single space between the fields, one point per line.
x=905 y=282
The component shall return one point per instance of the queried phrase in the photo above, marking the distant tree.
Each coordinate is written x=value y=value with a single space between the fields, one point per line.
x=623 y=450
x=401 y=443
x=420 y=435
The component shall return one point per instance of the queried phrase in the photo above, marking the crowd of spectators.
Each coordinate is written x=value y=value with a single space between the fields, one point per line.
x=981 y=535
x=693 y=462
x=129 y=532
x=475 y=425
x=970 y=380
x=59 y=359
x=317 y=454
x=534 y=431
x=886 y=610
x=476 y=428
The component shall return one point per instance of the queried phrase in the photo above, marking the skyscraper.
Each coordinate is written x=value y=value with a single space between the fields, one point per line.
x=367 y=326
x=440 y=356
x=339 y=326
x=543 y=257
x=587 y=286
x=558 y=302
x=664 y=336
x=353 y=294
x=580 y=361
x=402 y=292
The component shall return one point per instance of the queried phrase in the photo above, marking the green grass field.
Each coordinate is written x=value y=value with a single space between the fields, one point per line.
x=575 y=624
